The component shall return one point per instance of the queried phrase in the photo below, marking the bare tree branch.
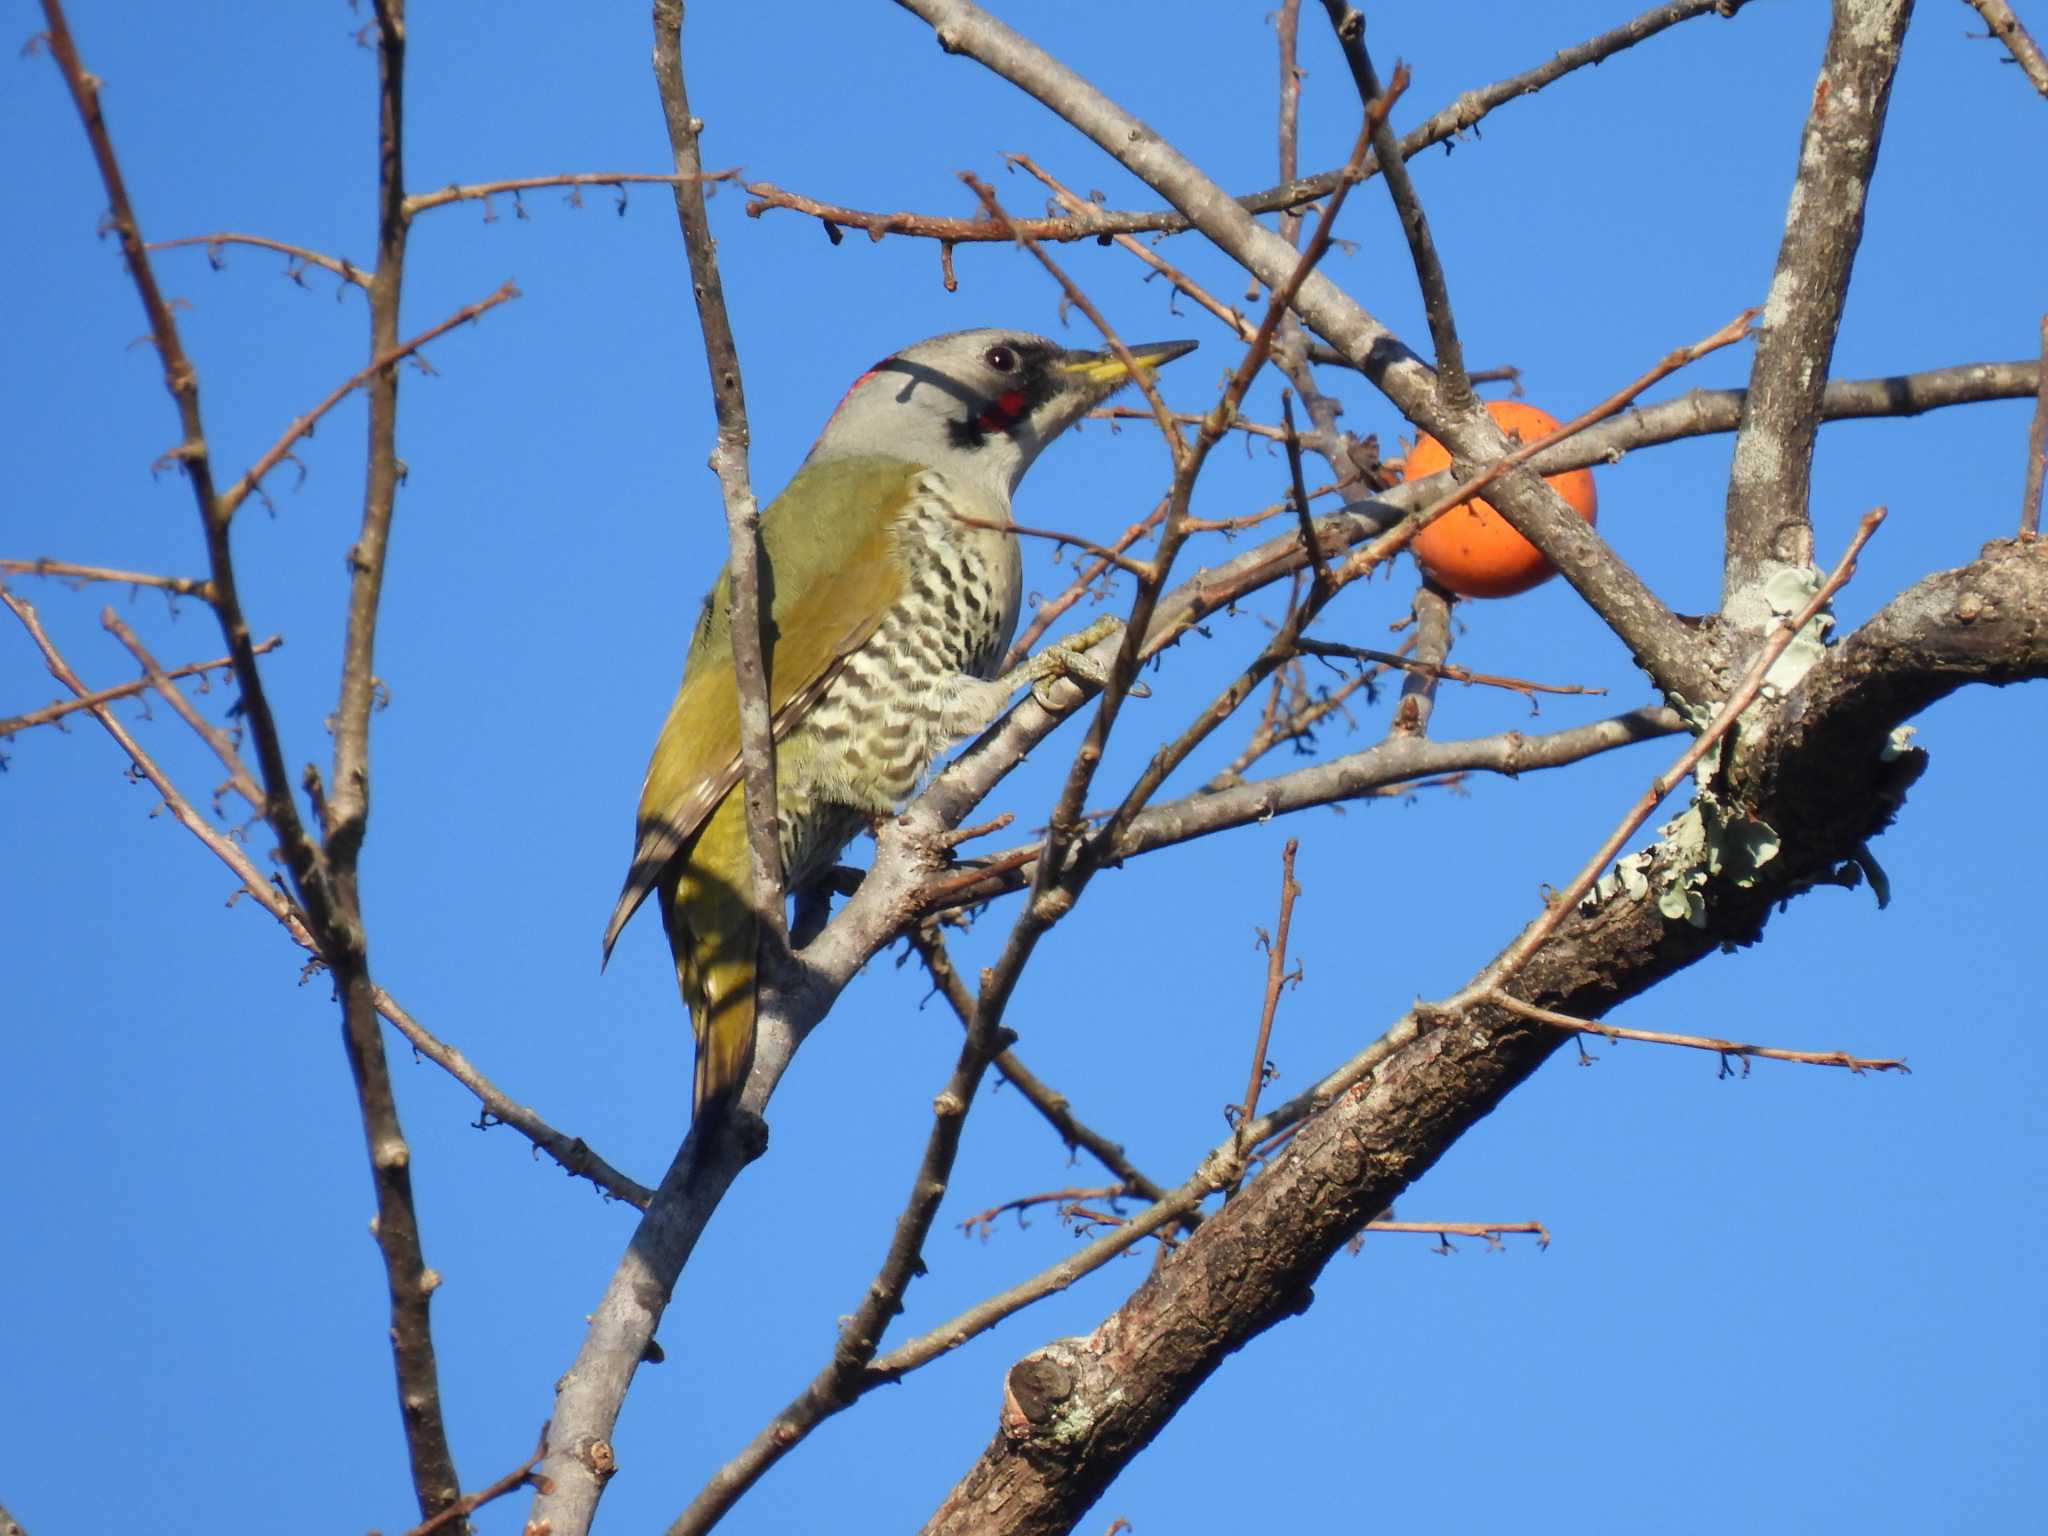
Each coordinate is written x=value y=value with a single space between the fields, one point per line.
x=2026 y=53
x=269 y=896
x=1454 y=389
x=303 y=426
x=1663 y=646
x=78 y=575
x=519 y=1477
x=484 y=191
x=1052 y=1106
x=1458 y=117
x=845 y=1377
x=1767 y=522
x=2037 y=449
x=1725 y=1049
x=324 y=876
x=1744 y=694
x=239 y=778
x=742 y=515
x=1276 y=979
x=1400 y=759
x=346 y=270
x=588 y=1397
x=52 y=712
x=1445 y=1230
x=1075 y=1412
x=1056 y=884
x=1432 y=614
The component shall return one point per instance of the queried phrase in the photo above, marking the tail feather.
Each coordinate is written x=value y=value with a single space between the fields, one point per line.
x=712 y=931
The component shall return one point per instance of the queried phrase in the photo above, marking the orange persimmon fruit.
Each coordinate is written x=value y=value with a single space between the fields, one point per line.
x=1471 y=549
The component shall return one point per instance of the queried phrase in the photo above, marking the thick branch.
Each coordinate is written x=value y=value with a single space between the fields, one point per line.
x=1075 y=1413
x=1767 y=522
x=1400 y=759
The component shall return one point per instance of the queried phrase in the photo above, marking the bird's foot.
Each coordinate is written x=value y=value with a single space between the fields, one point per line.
x=1068 y=659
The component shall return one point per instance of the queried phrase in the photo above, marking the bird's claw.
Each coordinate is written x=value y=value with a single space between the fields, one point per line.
x=1068 y=659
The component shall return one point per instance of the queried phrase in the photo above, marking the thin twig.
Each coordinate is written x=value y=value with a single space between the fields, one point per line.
x=1084 y=581
x=1722 y=1048
x=266 y=894
x=1176 y=445
x=125 y=690
x=1294 y=721
x=1051 y=1105
x=571 y=1152
x=985 y=1314
x=344 y=811
x=1453 y=388
x=224 y=748
x=1276 y=978
x=1056 y=536
x=1056 y=888
x=1443 y=670
x=344 y=269
x=1444 y=1230
x=1137 y=641
x=1318 y=561
x=845 y=1376
x=1287 y=131
x=1079 y=207
x=303 y=426
x=1360 y=561
x=301 y=855
x=1458 y=117
x=742 y=514
x=982 y=1223
x=519 y=1477
x=177 y=586
x=1189 y=419
x=2026 y=53
x=483 y=191
x=323 y=876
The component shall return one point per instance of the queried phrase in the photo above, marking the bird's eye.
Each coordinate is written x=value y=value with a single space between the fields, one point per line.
x=1002 y=359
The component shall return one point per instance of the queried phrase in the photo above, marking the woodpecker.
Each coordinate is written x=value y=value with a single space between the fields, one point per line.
x=890 y=584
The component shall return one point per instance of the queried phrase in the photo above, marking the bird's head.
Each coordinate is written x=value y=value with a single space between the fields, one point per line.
x=977 y=404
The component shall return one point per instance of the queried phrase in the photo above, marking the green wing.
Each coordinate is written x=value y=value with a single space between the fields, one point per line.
x=828 y=579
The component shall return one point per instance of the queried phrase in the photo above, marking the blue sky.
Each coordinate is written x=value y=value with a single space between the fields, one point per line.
x=1793 y=1300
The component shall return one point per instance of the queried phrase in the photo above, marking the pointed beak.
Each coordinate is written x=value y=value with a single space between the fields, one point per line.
x=1100 y=374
